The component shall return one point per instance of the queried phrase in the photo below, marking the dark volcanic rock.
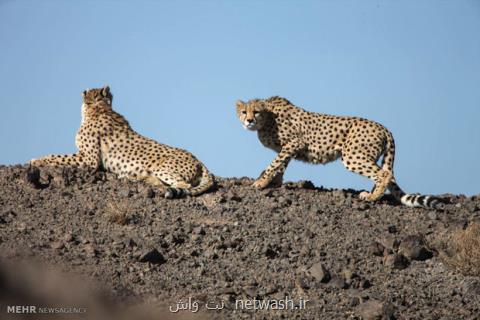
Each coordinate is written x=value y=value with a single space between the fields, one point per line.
x=344 y=255
x=152 y=256
x=413 y=247
x=389 y=242
x=395 y=261
x=32 y=176
x=338 y=282
x=319 y=272
x=376 y=249
x=375 y=310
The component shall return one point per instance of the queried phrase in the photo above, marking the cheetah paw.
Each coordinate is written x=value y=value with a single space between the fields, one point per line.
x=367 y=196
x=260 y=183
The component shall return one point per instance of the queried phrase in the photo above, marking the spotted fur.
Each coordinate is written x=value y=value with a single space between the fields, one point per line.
x=317 y=138
x=106 y=140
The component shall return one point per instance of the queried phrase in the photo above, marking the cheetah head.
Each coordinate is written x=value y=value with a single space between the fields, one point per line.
x=251 y=113
x=94 y=97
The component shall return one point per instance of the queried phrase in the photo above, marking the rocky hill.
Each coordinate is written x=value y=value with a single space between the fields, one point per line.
x=348 y=258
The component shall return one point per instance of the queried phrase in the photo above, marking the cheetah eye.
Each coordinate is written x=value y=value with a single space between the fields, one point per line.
x=255 y=112
x=244 y=112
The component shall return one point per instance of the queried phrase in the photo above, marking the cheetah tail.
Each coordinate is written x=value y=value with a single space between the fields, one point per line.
x=389 y=153
x=413 y=200
x=207 y=181
x=175 y=193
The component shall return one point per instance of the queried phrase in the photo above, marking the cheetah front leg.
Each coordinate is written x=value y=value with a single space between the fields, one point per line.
x=276 y=169
x=76 y=159
x=89 y=157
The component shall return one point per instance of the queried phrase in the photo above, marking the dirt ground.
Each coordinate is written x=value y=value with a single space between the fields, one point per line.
x=233 y=249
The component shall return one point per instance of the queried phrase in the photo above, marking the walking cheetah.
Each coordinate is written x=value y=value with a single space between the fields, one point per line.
x=319 y=138
x=106 y=140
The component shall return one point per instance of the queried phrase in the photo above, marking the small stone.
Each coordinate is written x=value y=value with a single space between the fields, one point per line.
x=338 y=193
x=32 y=177
x=305 y=184
x=432 y=215
x=473 y=208
x=354 y=301
x=251 y=291
x=152 y=256
x=268 y=193
x=319 y=272
x=195 y=237
x=91 y=250
x=338 y=282
x=302 y=283
x=389 y=241
x=130 y=243
x=472 y=287
x=22 y=226
x=395 y=261
x=361 y=206
x=68 y=237
x=374 y=309
x=210 y=253
x=194 y=253
x=7 y=216
x=365 y=284
x=232 y=196
x=125 y=193
x=392 y=229
x=413 y=247
x=349 y=274
x=57 y=245
x=376 y=249
x=284 y=202
x=271 y=253
x=198 y=231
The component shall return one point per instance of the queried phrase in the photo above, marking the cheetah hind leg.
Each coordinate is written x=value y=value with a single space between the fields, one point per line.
x=276 y=182
x=174 y=185
x=155 y=182
x=165 y=191
x=371 y=170
x=382 y=180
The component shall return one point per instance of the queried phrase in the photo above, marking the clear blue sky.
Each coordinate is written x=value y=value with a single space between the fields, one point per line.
x=176 y=69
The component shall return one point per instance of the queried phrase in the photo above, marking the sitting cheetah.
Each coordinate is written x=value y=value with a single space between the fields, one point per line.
x=318 y=138
x=106 y=140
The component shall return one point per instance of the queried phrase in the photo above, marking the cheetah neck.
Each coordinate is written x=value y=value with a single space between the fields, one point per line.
x=84 y=106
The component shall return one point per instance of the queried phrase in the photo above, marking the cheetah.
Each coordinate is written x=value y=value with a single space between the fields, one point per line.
x=318 y=138
x=106 y=141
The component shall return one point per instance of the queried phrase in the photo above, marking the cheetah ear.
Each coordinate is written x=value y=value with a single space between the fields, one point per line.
x=239 y=103
x=106 y=91
x=84 y=93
